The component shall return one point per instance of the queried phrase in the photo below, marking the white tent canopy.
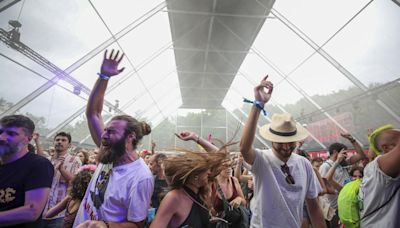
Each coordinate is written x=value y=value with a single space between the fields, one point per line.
x=189 y=63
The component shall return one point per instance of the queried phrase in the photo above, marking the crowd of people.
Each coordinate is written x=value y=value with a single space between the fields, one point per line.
x=116 y=185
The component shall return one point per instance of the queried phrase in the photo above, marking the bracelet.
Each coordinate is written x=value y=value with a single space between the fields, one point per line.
x=198 y=139
x=352 y=140
x=108 y=225
x=103 y=76
x=258 y=104
x=336 y=164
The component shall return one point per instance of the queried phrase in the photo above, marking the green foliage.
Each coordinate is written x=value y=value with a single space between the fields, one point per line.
x=4 y=105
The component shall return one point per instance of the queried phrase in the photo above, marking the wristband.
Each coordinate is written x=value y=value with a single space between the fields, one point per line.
x=103 y=76
x=198 y=139
x=352 y=140
x=336 y=164
x=258 y=104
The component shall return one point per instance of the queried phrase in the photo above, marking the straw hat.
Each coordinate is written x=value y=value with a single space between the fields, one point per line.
x=283 y=129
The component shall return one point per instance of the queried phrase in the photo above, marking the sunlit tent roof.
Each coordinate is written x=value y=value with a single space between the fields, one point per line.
x=189 y=64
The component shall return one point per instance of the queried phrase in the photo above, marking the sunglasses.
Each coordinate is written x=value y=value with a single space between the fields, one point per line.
x=289 y=178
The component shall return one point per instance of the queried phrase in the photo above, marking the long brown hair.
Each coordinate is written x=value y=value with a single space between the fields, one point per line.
x=179 y=169
x=80 y=183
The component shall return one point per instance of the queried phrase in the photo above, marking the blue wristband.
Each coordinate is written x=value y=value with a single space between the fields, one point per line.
x=103 y=76
x=258 y=104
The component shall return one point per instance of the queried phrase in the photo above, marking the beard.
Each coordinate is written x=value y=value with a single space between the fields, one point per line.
x=58 y=148
x=284 y=153
x=7 y=149
x=112 y=153
x=344 y=162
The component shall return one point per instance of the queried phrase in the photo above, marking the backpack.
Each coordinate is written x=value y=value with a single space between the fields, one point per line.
x=348 y=204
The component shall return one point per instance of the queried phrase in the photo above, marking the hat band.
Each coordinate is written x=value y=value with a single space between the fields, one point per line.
x=283 y=133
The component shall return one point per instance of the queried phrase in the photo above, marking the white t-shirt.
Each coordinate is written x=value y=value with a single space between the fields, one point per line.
x=375 y=189
x=341 y=176
x=277 y=203
x=127 y=197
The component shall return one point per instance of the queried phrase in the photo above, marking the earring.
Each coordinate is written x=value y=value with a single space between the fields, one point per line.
x=196 y=178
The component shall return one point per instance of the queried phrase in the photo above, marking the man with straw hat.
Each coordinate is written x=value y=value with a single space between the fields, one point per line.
x=283 y=180
x=379 y=191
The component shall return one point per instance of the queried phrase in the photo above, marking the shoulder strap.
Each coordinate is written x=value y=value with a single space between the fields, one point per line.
x=233 y=185
x=202 y=206
x=384 y=204
x=195 y=201
x=328 y=163
x=225 y=203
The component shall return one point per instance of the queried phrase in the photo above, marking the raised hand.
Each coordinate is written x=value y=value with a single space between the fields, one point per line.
x=342 y=155
x=35 y=136
x=369 y=132
x=153 y=146
x=187 y=135
x=109 y=67
x=259 y=91
x=347 y=136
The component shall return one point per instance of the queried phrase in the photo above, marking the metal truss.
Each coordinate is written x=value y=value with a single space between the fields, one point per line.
x=9 y=40
x=13 y=42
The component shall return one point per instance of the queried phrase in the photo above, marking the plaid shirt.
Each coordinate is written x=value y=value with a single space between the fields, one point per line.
x=59 y=186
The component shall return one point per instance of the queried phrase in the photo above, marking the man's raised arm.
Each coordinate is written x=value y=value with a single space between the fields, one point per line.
x=249 y=131
x=389 y=162
x=109 y=68
x=360 y=152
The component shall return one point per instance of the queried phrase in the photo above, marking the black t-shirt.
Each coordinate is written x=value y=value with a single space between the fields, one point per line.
x=27 y=173
x=160 y=189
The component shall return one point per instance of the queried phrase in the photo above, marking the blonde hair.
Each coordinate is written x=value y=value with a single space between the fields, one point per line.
x=179 y=169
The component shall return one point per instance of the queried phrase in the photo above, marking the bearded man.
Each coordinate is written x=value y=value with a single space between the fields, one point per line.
x=119 y=193
x=25 y=178
x=283 y=180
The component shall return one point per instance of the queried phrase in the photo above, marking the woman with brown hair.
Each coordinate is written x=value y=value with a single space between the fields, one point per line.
x=83 y=155
x=225 y=183
x=229 y=185
x=72 y=201
x=230 y=188
x=188 y=204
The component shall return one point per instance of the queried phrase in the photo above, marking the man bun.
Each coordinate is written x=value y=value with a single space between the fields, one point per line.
x=146 y=129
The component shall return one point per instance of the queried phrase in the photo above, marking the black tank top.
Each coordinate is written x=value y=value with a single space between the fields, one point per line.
x=198 y=216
